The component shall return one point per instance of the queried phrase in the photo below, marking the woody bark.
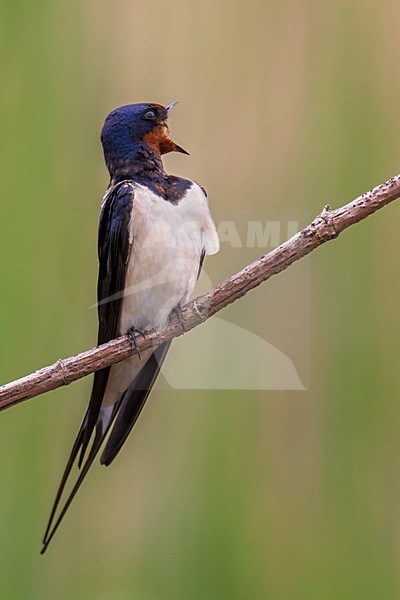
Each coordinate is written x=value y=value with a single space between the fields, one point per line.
x=326 y=226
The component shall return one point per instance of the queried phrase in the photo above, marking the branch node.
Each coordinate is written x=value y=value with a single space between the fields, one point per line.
x=197 y=309
x=329 y=232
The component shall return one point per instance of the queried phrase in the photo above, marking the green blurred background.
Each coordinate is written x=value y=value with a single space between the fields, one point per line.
x=218 y=495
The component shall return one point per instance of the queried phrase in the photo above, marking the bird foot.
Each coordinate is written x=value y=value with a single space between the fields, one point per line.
x=178 y=312
x=131 y=335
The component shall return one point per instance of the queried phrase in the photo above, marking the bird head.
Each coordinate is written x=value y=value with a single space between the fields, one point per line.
x=128 y=126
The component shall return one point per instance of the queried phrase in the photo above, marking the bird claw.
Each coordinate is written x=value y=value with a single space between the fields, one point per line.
x=178 y=312
x=131 y=334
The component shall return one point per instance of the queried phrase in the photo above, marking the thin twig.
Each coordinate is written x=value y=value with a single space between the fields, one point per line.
x=325 y=227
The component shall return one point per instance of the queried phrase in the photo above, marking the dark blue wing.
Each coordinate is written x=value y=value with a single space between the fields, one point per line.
x=113 y=251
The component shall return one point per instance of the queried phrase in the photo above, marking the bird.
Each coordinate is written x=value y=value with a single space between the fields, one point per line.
x=154 y=232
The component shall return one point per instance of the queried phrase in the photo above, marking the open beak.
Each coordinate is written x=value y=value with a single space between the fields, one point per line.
x=176 y=147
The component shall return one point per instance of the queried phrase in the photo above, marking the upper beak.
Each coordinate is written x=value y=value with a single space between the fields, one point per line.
x=171 y=106
x=176 y=147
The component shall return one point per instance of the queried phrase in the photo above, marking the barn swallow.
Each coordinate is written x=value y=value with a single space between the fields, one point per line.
x=154 y=232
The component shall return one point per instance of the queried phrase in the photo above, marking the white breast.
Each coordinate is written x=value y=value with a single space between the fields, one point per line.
x=167 y=241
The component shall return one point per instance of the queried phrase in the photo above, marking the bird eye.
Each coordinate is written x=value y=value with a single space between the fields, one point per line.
x=150 y=114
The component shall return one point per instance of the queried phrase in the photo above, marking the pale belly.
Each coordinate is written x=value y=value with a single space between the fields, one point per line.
x=162 y=268
x=167 y=242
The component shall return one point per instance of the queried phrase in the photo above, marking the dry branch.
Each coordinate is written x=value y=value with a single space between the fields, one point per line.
x=325 y=227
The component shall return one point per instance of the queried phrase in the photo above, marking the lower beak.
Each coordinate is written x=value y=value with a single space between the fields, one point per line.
x=180 y=149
